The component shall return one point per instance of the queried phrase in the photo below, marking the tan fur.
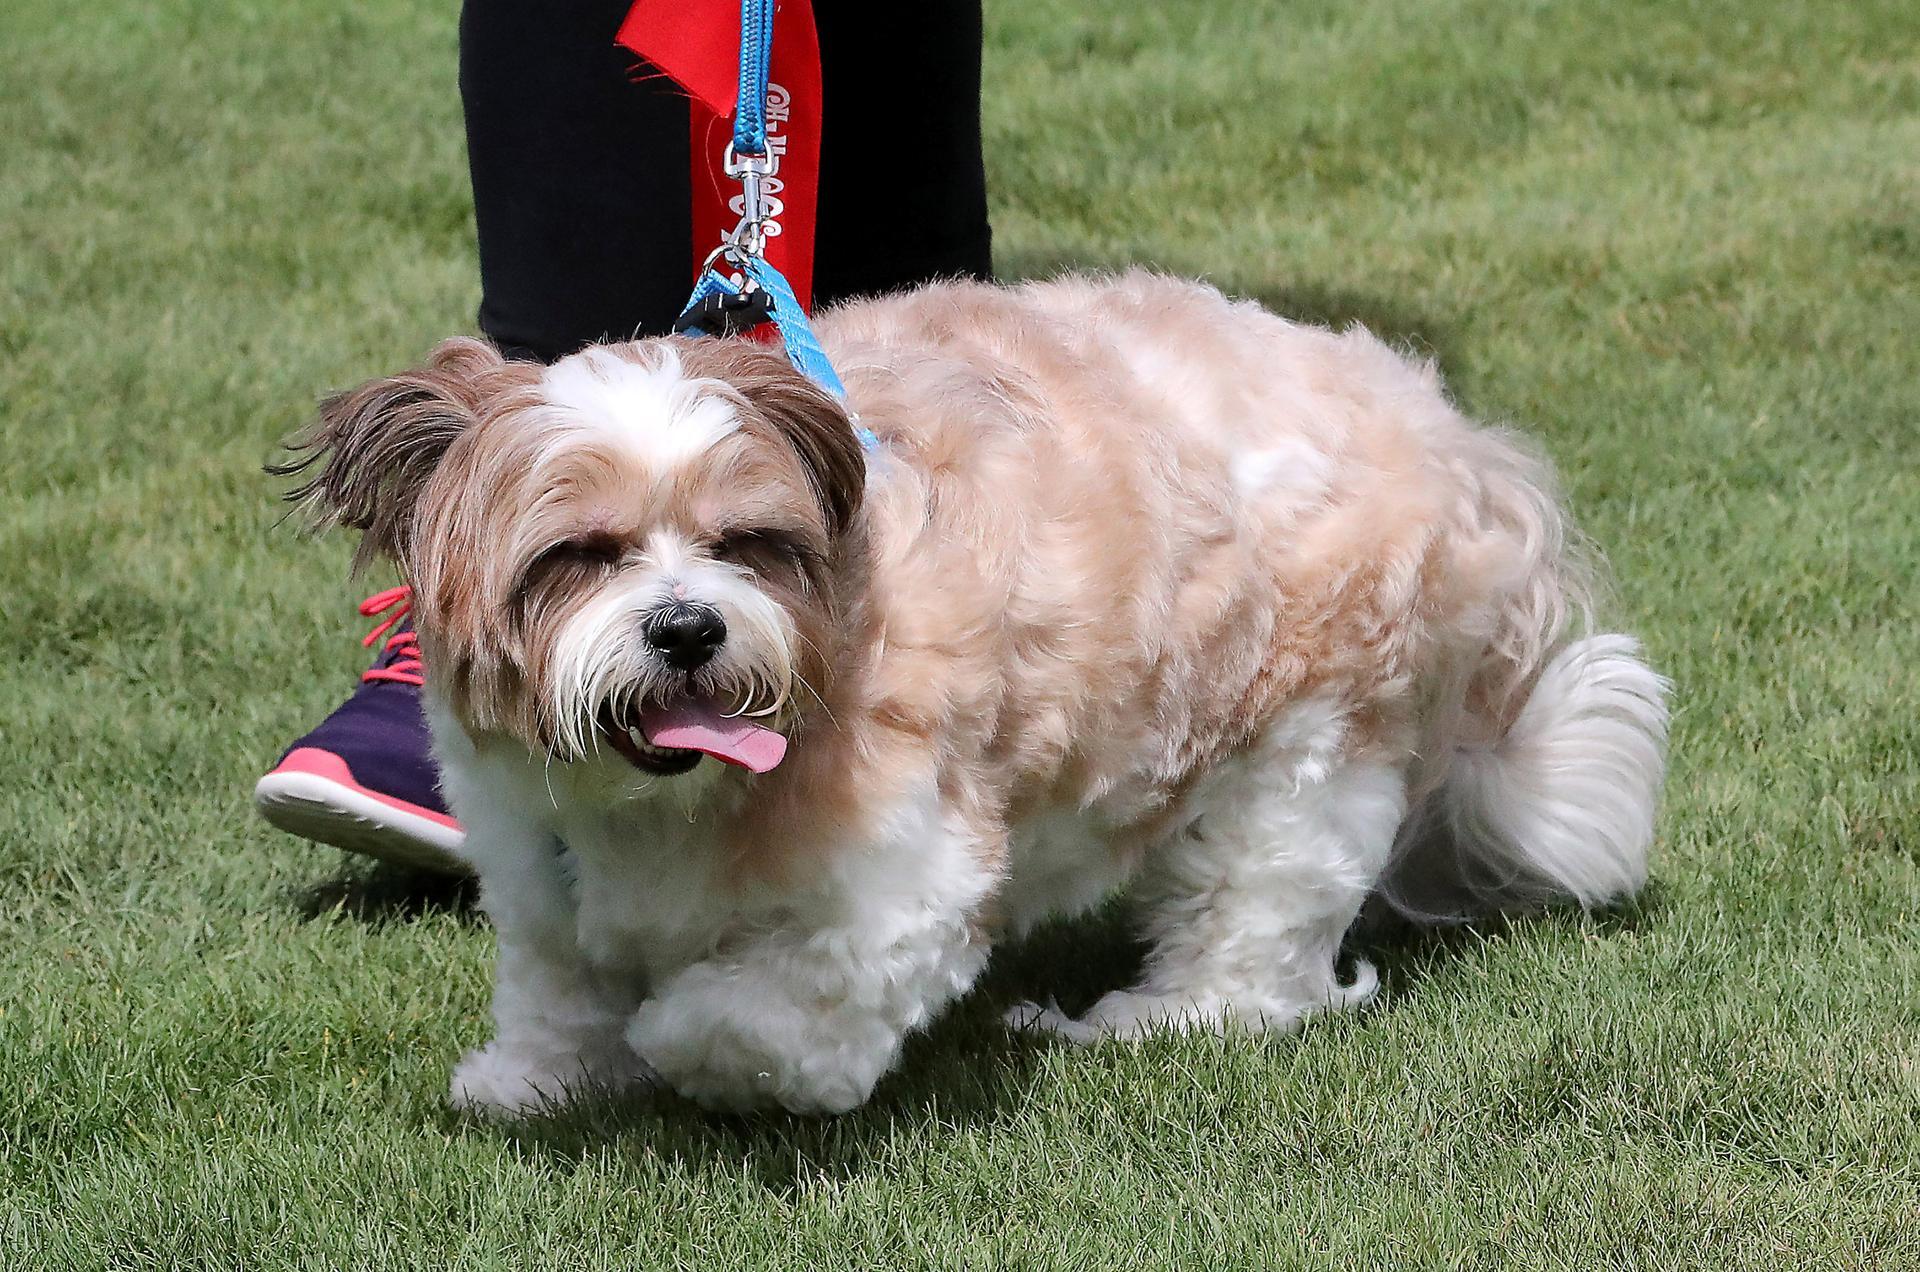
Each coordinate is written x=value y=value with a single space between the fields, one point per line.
x=1053 y=580
x=382 y=441
x=1140 y=583
x=1074 y=599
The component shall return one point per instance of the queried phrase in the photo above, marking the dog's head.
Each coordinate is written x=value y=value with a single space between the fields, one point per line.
x=639 y=548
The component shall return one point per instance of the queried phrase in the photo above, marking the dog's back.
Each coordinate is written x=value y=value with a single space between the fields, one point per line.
x=1141 y=527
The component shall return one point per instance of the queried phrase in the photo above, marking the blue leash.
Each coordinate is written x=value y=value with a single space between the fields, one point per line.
x=720 y=304
x=756 y=57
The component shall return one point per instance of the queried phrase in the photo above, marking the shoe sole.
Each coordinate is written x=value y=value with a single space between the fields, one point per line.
x=312 y=794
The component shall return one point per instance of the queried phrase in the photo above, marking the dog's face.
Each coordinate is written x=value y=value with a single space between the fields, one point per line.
x=637 y=549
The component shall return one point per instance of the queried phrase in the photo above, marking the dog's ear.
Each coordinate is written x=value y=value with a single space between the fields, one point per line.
x=803 y=415
x=821 y=432
x=366 y=459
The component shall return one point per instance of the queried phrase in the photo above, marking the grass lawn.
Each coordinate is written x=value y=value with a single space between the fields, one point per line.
x=1679 y=239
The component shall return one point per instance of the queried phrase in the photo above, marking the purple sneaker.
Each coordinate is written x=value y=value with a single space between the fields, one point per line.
x=364 y=780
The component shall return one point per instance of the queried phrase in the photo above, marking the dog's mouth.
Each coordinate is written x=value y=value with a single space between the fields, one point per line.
x=667 y=738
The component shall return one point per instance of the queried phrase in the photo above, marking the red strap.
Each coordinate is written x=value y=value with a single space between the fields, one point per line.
x=696 y=43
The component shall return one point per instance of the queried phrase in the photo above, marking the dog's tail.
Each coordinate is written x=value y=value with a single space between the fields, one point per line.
x=1561 y=807
x=1551 y=764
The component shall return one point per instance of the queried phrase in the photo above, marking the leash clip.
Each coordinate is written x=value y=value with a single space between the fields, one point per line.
x=722 y=313
x=752 y=172
x=758 y=293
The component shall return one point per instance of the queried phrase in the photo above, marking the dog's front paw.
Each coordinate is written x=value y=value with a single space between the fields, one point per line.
x=1124 y=1015
x=499 y=1080
x=1048 y=1021
x=492 y=1082
x=735 y=1040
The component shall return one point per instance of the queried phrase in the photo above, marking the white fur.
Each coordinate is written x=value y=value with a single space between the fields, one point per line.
x=557 y=1025
x=1063 y=865
x=1293 y=469
x=1247 y=902
x=623 y=956
x=602 y=656
x=810 y=1009
x=668 y=417
x=1563 y=805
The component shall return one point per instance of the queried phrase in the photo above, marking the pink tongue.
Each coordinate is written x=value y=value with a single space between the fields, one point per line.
x=694 y=724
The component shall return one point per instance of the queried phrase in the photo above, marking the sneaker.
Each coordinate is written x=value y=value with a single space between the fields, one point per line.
x=364 y=780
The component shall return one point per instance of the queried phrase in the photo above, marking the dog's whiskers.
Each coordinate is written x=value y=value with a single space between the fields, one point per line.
x=817 y=698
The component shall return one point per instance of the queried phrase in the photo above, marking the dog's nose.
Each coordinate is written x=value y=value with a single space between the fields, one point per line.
x=687 y=635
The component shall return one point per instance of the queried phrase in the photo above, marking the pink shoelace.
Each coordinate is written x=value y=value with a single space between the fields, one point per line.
x=403 y=647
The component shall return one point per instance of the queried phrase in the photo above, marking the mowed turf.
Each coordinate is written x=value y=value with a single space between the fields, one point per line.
x=1678 y=240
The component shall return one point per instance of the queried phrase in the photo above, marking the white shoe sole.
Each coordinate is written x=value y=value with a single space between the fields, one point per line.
x=313 y=807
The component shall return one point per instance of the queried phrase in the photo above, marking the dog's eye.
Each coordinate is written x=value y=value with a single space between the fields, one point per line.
x=760 y=544
x=589 y=549
x=587 y=553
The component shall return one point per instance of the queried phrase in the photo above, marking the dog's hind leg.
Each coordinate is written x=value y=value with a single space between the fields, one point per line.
x=1246 y=906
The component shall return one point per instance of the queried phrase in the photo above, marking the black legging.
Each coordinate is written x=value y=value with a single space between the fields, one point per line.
x=580 y=174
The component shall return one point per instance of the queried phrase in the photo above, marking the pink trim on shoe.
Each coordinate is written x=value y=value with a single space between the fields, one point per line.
x=326 y=764
x=312 y=793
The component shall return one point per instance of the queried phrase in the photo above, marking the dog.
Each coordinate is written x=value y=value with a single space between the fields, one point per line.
x=763 y=742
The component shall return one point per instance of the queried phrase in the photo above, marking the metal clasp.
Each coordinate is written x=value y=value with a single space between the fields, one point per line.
x=751 y=171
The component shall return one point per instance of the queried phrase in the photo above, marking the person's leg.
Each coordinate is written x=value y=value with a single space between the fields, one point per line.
x=580 y=167
x=580 y=185
x=582 y=197
x=580 y=178
x=903 y=188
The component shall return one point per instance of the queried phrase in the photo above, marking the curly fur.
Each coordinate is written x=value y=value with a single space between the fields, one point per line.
x=1143 y=584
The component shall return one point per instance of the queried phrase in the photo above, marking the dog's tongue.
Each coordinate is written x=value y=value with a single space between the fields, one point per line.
x=695 y=724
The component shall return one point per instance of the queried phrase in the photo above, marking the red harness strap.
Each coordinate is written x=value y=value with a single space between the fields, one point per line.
x=696 y=43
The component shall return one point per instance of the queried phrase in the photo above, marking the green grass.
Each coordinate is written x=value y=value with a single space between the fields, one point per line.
x=1676 y=238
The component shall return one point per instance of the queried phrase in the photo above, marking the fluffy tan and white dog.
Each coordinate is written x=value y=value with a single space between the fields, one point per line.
x=763 y=742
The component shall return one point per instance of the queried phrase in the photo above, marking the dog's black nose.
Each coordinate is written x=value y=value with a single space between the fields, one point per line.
x=687 y=635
